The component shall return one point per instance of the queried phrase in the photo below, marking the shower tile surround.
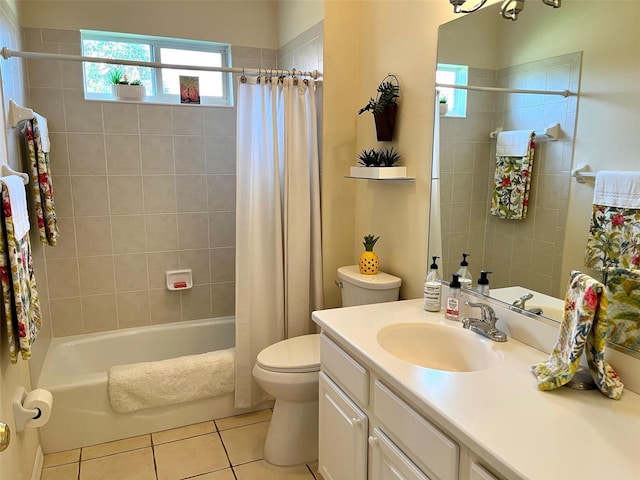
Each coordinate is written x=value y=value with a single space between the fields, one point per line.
x=529 y=252
x=139 y=189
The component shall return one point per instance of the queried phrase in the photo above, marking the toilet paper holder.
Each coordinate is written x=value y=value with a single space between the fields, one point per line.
x=21 y=414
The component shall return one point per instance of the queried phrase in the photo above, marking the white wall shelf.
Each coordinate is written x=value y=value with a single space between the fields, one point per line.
x=394 y=179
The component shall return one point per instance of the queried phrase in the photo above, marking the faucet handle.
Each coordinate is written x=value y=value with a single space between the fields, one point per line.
x=487 y=314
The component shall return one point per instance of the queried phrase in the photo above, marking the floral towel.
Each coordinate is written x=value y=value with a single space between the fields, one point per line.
x=42 y=188
x=510 y=197
x=584 y=324
x=614 y=238
x=19 y=294
x=623 y=297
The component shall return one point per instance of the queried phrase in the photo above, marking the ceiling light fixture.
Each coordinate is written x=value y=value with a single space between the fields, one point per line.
x=509 y=9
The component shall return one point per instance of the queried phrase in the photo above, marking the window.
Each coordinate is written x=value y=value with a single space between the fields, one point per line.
x=161 y=84
x=456 y=98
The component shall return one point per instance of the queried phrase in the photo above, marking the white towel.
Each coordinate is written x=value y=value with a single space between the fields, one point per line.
x=513 y=143
x=617 y=189
x=44 y=132
x=171 y=382
x=18 y=200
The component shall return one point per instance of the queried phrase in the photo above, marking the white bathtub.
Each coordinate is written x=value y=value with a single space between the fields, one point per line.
x=75 y=371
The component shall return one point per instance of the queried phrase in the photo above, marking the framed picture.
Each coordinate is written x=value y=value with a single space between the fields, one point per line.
x=189 y=89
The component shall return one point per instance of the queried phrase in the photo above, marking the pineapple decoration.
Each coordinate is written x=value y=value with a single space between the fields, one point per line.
x=368 y=259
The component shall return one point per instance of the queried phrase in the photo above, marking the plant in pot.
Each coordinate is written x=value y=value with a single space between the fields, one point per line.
x=384 y=107
x=123 y=89
x=369 y=263
x=444 y=106
x=379 y=164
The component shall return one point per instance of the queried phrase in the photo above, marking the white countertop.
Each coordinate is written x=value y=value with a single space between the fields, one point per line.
x=499 y=413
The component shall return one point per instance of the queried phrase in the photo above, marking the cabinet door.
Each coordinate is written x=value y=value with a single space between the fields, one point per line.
x=343 y=435
x=479 y=473
x=388 y=462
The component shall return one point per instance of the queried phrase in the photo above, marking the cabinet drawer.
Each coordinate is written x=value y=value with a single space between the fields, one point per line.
x=422 y=441
x=349 y=374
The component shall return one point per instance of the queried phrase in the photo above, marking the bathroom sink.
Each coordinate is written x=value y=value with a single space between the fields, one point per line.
x=439 y=347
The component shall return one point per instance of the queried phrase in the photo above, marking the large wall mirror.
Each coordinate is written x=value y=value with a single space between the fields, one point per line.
x=545 y=49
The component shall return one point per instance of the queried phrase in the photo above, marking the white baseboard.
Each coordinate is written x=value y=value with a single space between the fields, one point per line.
x=37 y=465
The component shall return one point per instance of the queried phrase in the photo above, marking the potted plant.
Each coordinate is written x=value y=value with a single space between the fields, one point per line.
x=379 y=164
x=444 y=106
x=384 y=107
x=369 y=263
x=123 y=89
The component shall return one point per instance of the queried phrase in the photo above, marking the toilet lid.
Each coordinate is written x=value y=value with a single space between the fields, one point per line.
x=293 y=355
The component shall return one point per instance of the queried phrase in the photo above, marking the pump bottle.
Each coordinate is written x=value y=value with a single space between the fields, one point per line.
x=483 y=282
x=453 y=299
x=433 y=288
x=465 y=276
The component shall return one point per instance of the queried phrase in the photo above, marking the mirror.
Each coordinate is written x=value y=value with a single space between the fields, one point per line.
x=547 y=49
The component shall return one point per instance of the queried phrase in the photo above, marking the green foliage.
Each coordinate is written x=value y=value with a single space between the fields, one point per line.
x=136 y=82
x=369 y=241
x=387 y=94
x=443 y=99
x=379 y=158
x=115 y=76
x=97 y=75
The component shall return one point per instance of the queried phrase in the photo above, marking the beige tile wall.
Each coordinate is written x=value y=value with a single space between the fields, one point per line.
x=139 y=189
x=528 y=252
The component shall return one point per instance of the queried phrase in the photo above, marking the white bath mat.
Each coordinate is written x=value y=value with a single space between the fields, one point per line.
x=171 y=382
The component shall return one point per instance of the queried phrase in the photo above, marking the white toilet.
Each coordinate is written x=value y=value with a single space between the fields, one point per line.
x=288 y=371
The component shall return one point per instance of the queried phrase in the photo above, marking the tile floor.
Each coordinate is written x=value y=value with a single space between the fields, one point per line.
x=225 y=449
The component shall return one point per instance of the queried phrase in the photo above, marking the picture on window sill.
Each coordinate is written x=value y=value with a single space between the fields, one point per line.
x=189 y=89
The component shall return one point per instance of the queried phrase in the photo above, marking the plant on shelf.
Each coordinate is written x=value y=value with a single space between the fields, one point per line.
x=123 y=89
x=369 y=263
x=368 y=158
x=444 y=106
x=378 y=164
x=384 y=107
x=388 y=157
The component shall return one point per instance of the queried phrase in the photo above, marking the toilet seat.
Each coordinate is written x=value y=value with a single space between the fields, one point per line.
x=293 y=355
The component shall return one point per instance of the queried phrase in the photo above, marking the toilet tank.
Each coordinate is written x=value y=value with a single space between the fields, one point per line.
x=359 y=289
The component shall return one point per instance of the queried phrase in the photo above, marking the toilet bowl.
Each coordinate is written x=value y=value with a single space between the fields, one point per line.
x=289 y=371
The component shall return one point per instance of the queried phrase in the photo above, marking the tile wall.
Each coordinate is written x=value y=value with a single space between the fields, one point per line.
x=529 y=252
x=139 y=189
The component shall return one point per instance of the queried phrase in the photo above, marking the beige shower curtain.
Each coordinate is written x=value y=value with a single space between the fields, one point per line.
x=278 y=244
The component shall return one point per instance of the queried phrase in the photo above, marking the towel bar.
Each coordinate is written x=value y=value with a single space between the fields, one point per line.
x=18 y=114
x=5 y=170
x=581 y=172
x=552 y=132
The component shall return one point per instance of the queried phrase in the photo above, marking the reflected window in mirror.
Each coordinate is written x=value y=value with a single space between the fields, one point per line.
x=456 y=98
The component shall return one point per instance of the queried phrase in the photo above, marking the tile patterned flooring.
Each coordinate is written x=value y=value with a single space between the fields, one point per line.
x=225 y=449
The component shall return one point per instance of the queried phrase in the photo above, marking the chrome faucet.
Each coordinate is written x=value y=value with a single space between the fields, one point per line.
x=520 y=304
x=486 y=324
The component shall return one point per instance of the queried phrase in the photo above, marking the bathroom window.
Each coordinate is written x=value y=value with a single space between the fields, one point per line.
x=456 y=98
x=161 y=84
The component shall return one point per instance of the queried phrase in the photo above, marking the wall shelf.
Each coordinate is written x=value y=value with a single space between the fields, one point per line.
x=393 y=179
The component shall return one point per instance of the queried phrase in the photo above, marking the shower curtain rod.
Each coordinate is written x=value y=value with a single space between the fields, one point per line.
x=8 y=53
x=564 y=93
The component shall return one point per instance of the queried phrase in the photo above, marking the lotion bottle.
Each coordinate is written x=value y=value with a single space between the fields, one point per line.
x=483 y=282
x=465 y=276
x=433 y=288
x=453 y=299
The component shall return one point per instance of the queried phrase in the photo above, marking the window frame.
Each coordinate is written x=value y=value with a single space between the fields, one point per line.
x=461 y=73
x=155 y=44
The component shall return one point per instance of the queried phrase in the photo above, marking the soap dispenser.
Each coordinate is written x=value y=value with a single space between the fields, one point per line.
x=433 y=288
x=465 y=276
x=483 y=282
x=453 y=299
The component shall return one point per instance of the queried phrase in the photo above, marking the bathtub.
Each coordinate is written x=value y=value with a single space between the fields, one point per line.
x=75 y=371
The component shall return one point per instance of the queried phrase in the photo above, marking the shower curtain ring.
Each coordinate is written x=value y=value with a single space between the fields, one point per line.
x=243 y=78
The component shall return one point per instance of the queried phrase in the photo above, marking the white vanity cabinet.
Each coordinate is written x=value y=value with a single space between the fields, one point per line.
x=402 y=443
x=343 y=432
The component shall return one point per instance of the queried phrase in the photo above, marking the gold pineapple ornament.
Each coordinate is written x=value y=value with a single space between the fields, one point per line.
x=369 y=263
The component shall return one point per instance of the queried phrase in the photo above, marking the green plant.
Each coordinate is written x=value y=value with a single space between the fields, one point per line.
x=443 y=99
x=136 y=82
x=388 y=157
x=369 y=242
x=368 y=158
x=388 y=92
x=378 y=158
x=116 y=76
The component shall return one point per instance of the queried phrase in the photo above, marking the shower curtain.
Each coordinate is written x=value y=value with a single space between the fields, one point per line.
x=278 y=244
x=435 y=216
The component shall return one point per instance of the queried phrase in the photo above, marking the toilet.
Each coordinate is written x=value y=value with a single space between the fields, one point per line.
x=288 y=371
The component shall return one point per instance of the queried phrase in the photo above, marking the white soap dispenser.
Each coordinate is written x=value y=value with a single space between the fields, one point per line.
x=433 y=288
x=465 y=276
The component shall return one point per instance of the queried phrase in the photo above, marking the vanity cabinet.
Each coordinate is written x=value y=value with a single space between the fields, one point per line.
x=402 y=443
x=344 y=428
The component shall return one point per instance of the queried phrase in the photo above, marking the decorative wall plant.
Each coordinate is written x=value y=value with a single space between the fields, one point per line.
x=384 y=107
